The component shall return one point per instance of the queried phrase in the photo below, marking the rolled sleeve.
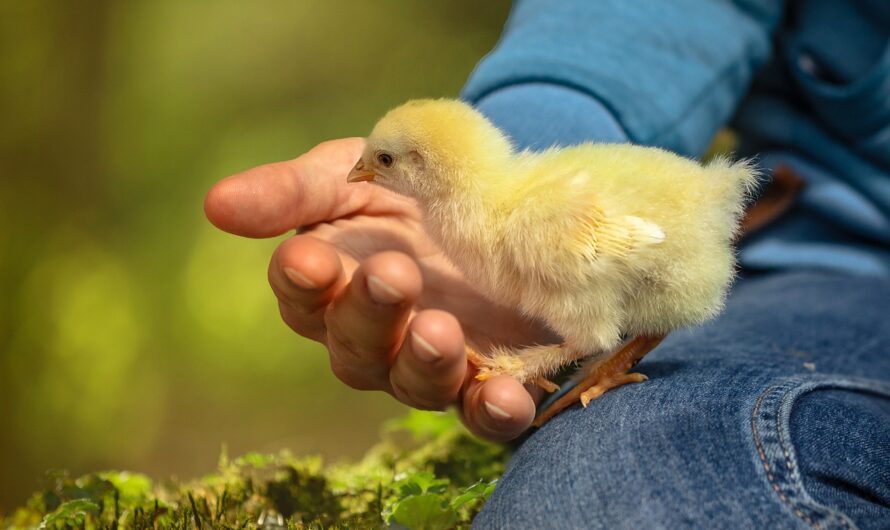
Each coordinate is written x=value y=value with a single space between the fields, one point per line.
x=541 y=115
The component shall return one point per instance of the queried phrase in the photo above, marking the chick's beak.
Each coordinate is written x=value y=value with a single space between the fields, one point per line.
x=359 y=173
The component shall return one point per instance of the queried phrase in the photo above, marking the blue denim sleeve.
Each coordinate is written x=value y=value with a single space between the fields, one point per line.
x=662 y=73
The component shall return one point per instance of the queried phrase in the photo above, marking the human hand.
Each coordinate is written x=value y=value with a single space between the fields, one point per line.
x=363 y=278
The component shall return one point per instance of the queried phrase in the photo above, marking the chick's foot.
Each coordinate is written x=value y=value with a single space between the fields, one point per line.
x=608 y=383
x=604 y=375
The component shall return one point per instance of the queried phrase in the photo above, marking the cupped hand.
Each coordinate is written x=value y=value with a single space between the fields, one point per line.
x=363 y=278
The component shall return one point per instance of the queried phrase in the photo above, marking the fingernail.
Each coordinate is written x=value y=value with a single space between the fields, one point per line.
x=299 y=279
x=497 y=412
x=424 y=349
x=382 y=292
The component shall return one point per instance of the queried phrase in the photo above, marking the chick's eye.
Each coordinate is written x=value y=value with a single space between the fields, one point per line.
x=385 y=159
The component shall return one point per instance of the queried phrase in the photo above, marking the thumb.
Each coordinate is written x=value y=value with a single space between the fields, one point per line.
x=271 y=199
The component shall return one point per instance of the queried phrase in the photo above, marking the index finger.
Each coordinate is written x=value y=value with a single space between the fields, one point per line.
x=271 y=199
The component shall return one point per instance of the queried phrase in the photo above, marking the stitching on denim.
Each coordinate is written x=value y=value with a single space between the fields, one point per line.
x=769 y=474
x=778 y=398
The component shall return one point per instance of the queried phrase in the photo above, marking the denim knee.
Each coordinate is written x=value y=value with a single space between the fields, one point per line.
x=795 y=452
x=664 y=456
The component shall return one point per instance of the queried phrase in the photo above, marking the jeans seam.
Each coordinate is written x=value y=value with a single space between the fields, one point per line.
x=770 y=419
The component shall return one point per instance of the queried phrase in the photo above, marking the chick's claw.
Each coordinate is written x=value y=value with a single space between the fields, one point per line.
x=546 y=384
x=483 y=363
x=474 y=357
x=608 y=383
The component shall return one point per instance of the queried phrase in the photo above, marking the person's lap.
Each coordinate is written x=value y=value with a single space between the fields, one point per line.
x=775 y=415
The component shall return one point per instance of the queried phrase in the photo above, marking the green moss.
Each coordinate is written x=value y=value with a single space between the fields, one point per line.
x=427 y=473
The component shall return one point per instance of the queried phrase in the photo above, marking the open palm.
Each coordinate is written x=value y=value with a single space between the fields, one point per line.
x=364 y=278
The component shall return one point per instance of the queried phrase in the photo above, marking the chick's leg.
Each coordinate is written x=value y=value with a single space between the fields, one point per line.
x=604 y=375
x=528 y=365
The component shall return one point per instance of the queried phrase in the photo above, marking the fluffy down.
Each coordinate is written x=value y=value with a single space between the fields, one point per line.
x=600 y=241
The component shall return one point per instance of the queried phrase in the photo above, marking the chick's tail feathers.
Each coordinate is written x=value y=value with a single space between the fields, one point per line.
x=737 y=181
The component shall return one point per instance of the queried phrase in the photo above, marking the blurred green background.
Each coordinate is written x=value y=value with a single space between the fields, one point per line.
x=133 y=334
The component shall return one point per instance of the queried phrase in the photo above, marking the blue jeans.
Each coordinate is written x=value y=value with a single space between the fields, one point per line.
x=775 y=415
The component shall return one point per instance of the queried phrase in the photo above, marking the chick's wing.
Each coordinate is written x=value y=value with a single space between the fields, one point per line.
x=596 y=235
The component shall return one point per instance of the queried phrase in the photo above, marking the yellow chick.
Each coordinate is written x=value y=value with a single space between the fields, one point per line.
x=600 y=241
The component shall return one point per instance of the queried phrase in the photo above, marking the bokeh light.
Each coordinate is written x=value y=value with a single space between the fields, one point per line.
x=133 y=335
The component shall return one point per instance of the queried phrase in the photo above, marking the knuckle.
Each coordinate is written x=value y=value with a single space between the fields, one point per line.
x=359 y=367
x=344 y=375
x=350 y=378
x=348 y=347
x=419 y=400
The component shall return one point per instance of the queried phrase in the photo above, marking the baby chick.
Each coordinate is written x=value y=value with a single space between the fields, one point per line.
x=600 y=241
